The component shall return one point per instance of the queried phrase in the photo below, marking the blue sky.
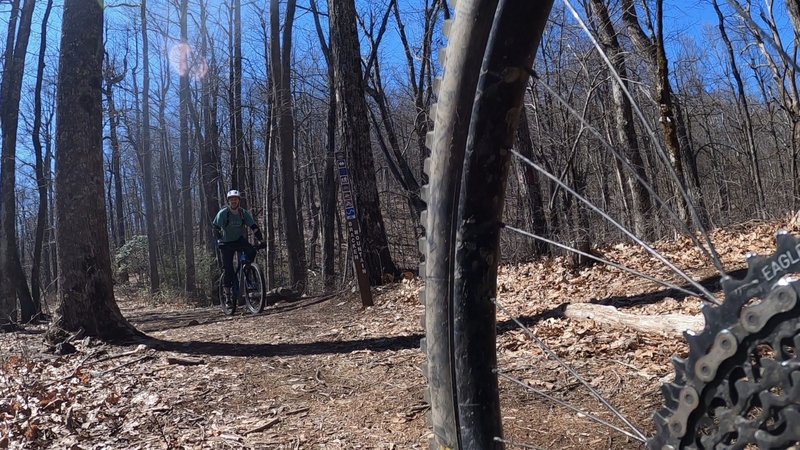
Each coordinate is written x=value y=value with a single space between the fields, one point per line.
x=682 y=17
x=688 y=18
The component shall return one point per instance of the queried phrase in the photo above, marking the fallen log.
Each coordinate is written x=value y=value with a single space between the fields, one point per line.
x=663 y=324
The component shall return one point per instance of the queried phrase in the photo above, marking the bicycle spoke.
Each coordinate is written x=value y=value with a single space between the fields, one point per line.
x=602 y=260
x=545 y=348
x=708 y=295
x=571 y=407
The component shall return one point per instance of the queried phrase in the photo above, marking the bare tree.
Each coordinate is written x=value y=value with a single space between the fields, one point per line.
x=147 y=158
x=112 y=78
x=41 y=178
x=186 y=160
x=783 y=68
x=744 y=107
x=532 y=188
x=653 y=49
x=390 y=146
x=12 y=279
x=329 y=187
x=209 y=151
x=238 y=165
x=281 y=79
x=420 y=78
x=793 y=6
x=86 y=293
x=354 y=137
x=641 y=202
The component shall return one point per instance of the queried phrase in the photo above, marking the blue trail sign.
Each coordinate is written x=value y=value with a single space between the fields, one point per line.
x=353 y=229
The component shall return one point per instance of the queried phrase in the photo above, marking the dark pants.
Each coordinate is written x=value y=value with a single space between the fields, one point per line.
x=228 y=251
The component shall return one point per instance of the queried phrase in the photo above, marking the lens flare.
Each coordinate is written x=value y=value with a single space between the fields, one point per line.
x=199 y=69
x=184 y=61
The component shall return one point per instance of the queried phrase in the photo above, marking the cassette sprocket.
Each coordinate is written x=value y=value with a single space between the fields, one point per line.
x=739 y=388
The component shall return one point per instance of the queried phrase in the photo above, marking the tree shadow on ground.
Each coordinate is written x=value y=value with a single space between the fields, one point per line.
x=150 y=322
x=198 y=348
x=711 y=284
x=159 y=321
x=393 y=343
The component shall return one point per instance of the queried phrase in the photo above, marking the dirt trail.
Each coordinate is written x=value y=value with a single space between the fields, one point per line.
x=316 y=373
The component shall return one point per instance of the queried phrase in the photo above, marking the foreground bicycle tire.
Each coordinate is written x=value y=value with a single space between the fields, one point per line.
x=470 y=142
x=490 y=51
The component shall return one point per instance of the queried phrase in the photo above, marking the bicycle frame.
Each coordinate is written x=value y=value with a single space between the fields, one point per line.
x=246 y=271
x=241 y=261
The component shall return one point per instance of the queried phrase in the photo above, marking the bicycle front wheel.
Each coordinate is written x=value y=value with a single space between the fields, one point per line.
x=479 y=101
x=736 y=388
x=254 y=288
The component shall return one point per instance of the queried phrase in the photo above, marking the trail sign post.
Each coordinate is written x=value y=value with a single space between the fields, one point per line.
x=353 y=229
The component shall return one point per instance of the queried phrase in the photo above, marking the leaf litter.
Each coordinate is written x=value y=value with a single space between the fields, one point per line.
x=328 y=374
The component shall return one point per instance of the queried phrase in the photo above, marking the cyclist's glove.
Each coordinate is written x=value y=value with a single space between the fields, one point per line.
x=259 y=236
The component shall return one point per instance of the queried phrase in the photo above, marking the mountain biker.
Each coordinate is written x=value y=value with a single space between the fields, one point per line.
x=229 y=228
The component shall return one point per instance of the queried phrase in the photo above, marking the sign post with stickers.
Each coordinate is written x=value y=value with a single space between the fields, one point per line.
x=353 y=229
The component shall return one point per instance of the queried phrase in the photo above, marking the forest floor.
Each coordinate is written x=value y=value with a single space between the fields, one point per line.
x=325 y=373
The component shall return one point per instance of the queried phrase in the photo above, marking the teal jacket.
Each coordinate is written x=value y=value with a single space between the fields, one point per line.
x=232 y=226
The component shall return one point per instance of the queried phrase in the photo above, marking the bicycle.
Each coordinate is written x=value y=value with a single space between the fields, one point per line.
x=250 y=287
x=728 y=393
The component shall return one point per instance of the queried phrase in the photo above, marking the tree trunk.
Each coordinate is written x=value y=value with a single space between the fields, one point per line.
x=147 y=160
x=744 y=107
x=641 y=202
x=329 y=190
x=272 y=149
x=354 y=136
x=186 y=163
x=314 y=213
x=118 y=222
x=653 y=49
x=329 y=186
x=49 y=252
x=281 y=76
x=209 y=156
x=238 y=165
x=661 y=324
x=270 y=140
x=86 y=294
x=793 y=7
x=531 y=188
x=11 y=34
x=41 y=179
x=11 y=287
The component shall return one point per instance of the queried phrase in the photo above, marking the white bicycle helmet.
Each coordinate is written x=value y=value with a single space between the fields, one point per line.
x=234 y=193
